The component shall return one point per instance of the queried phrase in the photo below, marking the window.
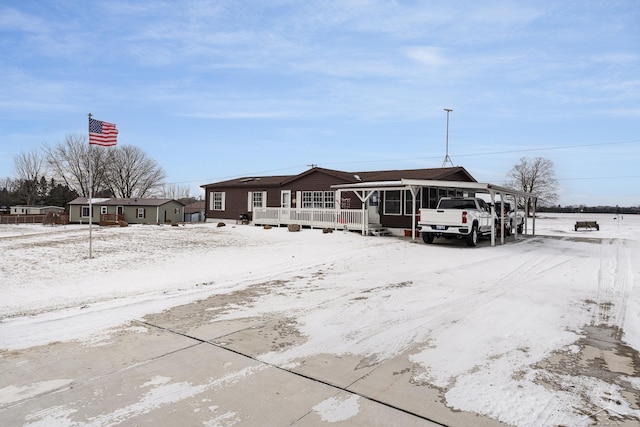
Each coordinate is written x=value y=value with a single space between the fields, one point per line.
x=318 y=199
x=433 y=198
x=217 y=201
x=103 y=210
x=257 y=199
x=140 y=213
x=85 y=211
x=373 y=200
x=329 y=200
x=408 y=201
x=307 y=200
x=392 y=202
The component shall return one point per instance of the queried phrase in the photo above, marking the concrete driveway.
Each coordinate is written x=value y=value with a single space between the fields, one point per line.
x=182 y=367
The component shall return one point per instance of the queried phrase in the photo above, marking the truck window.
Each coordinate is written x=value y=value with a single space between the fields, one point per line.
x=456 y=204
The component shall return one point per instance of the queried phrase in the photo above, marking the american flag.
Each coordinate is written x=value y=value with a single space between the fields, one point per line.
x=102 y=133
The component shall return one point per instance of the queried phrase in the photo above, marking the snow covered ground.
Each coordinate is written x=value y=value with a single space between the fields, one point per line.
x=500 y=331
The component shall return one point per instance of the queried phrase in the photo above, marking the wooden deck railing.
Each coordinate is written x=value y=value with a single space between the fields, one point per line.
x=110 y=219
x=350 y=219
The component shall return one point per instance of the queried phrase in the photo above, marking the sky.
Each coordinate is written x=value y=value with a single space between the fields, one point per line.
x=214 y=90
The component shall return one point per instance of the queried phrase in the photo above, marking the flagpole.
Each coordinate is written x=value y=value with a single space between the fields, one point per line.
x=90 y=190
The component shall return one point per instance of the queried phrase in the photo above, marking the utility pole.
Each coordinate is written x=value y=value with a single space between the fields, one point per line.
x=446 y=157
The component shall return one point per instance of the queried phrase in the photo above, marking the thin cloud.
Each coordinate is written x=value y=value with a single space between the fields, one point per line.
x=427 y=55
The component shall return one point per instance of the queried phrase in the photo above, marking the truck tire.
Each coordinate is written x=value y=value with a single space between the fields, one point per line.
x=472 y=238
x=427 y=237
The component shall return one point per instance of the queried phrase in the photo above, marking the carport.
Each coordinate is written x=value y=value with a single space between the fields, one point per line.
x=364 y=190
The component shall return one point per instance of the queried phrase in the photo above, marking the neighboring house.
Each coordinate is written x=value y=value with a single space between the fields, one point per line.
x=194 y=212
x=35 y=210
x=133 y=211
x=309 y=199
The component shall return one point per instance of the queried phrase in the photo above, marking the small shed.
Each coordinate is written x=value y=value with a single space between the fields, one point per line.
x=194 y=212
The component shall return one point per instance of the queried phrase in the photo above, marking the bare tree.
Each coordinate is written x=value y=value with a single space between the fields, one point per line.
x=123 y=171
x=177 y=192
x=30 y=169
x=69 y=163
x=535 y=176
x=130 y=173
x=8 y=188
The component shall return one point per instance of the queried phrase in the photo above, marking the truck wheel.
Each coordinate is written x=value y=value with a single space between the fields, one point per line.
x=472 y=238
x=427 y=237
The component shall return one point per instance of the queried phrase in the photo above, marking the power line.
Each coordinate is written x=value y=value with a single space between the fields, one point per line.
x=597 y=177
x=488 y=153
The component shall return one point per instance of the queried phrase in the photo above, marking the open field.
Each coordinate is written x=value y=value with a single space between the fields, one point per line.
x=332 y=328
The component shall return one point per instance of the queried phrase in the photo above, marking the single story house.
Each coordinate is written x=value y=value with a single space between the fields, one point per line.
x=35 y=210
x=313 y=197
x=133 y=211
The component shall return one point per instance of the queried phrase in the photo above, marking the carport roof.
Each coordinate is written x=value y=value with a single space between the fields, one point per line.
x=403 y=184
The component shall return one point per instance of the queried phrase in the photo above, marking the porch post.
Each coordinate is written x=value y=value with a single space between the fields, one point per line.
x=338 y=202
x=365 y=215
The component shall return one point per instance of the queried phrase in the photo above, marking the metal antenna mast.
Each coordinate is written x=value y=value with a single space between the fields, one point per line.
x=446 y=157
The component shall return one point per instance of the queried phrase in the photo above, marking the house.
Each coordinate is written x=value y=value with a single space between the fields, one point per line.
x=133 y=211
x=313 y=197
x=35 y=210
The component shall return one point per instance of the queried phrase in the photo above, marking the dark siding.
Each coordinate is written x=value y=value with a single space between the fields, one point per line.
x=317 y=180
x=235 y=201
x=404 y=220
x=236 y=197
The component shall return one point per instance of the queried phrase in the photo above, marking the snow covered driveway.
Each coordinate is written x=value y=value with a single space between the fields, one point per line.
x=543 y=331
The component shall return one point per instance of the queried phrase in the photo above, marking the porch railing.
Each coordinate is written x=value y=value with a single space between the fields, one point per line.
x=350 y=219
x=108 y=219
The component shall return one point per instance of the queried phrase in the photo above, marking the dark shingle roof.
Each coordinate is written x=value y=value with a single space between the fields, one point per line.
x=123 y=202
x=457 y=173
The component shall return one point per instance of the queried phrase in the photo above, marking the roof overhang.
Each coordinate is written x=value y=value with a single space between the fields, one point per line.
x=404 y=184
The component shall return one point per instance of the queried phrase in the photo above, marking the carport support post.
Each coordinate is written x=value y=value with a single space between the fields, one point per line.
x=413 y=189
x=501 y=218
x=365 y=215
x=493 y=217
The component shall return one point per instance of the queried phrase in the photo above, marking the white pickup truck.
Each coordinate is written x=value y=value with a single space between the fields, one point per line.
x=456 y=217
x=514 y=218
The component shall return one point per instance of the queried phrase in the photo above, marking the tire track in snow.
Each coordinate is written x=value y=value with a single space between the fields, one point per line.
x=521 y=274
x=615 y=279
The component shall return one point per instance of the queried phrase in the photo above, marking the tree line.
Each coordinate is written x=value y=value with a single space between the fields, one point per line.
x=59 y=173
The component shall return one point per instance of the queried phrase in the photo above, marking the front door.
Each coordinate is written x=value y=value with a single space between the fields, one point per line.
x=372 y=207
x=285 y=205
